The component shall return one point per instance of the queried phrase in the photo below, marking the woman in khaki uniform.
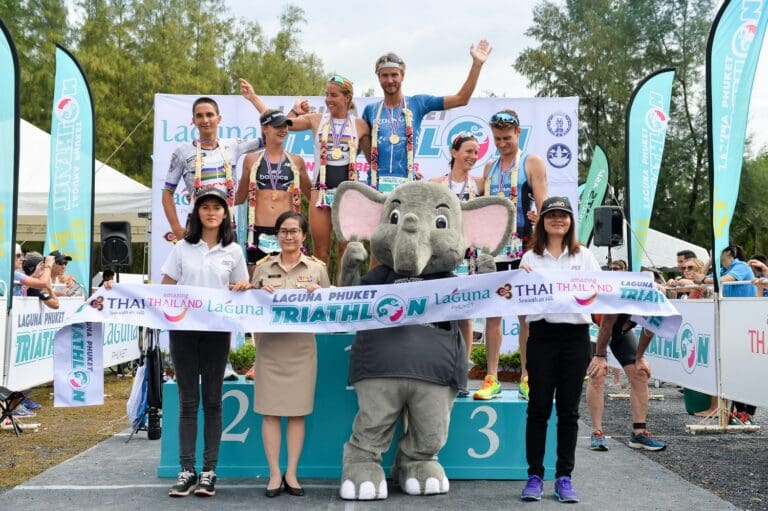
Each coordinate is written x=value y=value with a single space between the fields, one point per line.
x=286 y=363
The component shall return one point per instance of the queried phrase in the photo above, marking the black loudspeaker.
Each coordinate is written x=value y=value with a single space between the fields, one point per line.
x=608 y=231
x=116 y=244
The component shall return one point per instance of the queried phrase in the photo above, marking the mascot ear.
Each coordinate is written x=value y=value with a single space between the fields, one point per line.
x=357 y=210
x=487 y=223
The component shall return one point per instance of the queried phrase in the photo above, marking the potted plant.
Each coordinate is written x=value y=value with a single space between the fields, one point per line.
x=509 y=365
x=242 y=358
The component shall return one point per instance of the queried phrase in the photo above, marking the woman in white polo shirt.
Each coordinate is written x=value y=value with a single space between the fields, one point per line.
x=206 y=257
x=558 y=352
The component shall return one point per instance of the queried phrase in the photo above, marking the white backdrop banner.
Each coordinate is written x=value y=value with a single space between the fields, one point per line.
x=32 y=331
x=549 y=129
x=743 y=349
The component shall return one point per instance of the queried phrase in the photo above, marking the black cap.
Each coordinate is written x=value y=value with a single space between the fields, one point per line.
x=30 y=263
x=275 y=119
x=214 y=192
x=556 y=204
x=60 y=258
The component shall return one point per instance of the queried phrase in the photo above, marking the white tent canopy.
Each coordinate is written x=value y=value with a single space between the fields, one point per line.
x=660 y=251
x=115 y=193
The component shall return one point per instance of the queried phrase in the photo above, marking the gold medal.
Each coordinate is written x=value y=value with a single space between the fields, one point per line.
x=274 y=195
x=336 y=153
x=394 y=139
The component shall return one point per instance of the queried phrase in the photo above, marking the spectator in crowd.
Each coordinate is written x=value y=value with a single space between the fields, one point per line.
x=38 y=271
x=682 y=257
x=734 y=269
x=691 y=268
x=64 y=284
x=759 y=265
x=107 y=277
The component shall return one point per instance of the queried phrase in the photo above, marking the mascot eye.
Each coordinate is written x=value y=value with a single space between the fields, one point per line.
x=394 y=217
x=441 y=222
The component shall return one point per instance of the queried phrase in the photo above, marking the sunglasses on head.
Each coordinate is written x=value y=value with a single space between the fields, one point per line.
x=462 y=136
x=390 y=57
x=504 y=118
x=338 y=79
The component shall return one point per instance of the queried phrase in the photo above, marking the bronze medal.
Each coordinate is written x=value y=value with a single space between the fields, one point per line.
x=394 y=139
x=274 y=195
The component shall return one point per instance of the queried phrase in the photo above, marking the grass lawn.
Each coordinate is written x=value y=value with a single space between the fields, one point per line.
x=63 y=433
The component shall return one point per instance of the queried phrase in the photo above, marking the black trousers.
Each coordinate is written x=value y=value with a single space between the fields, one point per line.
x=558 y=356
x=199 y=359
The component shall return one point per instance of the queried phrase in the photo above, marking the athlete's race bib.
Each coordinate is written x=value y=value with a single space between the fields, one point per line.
x=512 y=251
x=268 y=243
x=329 y=195
x=387 y=184
x=463 y=268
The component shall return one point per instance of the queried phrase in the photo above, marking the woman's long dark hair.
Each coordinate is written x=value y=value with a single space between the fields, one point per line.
x=540 y=237
x=195 y=228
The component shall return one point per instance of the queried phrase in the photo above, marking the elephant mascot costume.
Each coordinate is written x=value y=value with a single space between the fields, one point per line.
x=418 y=232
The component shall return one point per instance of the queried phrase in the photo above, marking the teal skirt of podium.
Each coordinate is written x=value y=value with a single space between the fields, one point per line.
x=486 y=439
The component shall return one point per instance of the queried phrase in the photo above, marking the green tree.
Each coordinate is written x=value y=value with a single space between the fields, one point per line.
x=599 y=50
x=35 y=26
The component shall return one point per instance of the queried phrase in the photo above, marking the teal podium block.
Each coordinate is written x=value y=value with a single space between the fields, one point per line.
x=486 y=438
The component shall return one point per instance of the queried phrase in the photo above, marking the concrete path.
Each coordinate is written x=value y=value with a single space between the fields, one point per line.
x=118 y=476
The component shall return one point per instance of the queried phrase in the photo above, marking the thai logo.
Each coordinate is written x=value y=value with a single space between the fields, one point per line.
x=742 y=39
x=473 y=126
x=67 y=109
x=505 y=291
x=586 y=301
x=559 y=156
x=390 y=309
x=97 y=303
x=175 y=318
x=78 y=379
x=559 y=124
x=656 y=120
x=687 y=348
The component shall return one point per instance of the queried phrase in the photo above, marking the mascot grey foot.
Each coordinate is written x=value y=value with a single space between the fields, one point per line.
x=418 y=232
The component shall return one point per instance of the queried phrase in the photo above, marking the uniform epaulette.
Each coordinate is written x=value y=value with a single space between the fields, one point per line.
x=263 y=260
x=317 y=260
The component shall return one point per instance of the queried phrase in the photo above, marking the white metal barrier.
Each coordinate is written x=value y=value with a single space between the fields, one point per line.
x=29 y=341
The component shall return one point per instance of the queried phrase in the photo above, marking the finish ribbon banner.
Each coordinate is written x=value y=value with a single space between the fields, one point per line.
x=349 y=308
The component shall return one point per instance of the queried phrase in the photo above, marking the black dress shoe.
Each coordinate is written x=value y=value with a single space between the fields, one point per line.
x=290 y=490
x=274 y=492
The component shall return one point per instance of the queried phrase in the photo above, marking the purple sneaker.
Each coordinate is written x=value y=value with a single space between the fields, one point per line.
x=564 y=490
x=533 y=489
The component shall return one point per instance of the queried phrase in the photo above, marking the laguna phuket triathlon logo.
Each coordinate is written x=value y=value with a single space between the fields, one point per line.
x=656 y=120
x=389 y=310
x=67 y=110
x=78 y=379
x=688 y=348
x=469 y=126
